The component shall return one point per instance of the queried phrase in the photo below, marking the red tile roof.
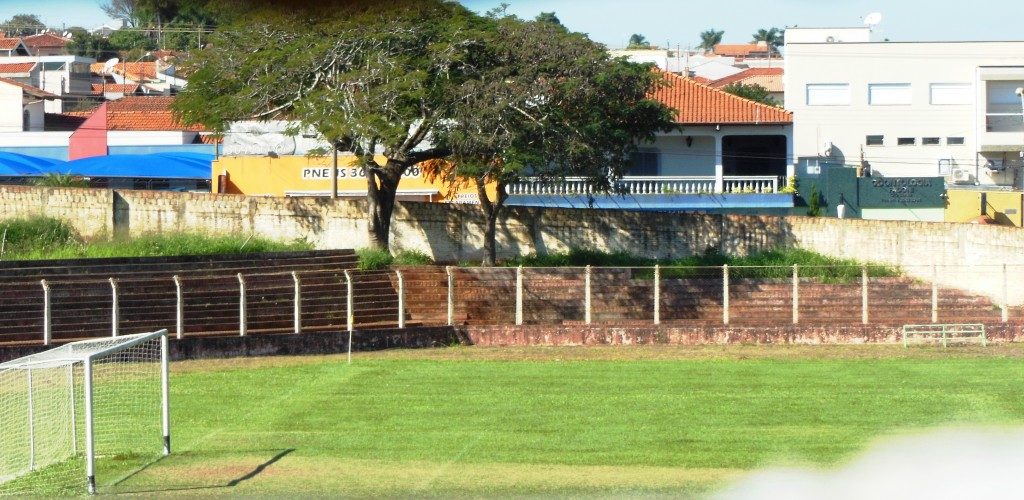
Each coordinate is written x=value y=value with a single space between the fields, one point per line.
x=123 y=88
x=30 y=90
x=48 y=40
x=145 y=113
x=8 y=68
x=698 y=104
x=65 y=121
x=739 y=49
x=134 y=70
x=9 y=43
x=746 y=74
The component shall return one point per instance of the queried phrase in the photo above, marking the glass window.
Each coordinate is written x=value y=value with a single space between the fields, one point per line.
x=889 y=94
x=644 y=163
x=874 y=140
x=906 y=141
x=950 y=93
x=954 y=141
x=828 y=94
x=930 y=141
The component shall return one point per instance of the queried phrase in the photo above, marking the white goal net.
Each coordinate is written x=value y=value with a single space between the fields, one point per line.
x=83 y=415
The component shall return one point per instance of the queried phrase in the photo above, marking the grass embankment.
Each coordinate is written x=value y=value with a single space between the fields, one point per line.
x=39 y=238
x=558 y=421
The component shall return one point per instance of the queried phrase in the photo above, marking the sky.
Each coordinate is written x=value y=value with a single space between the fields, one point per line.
x=678 y=22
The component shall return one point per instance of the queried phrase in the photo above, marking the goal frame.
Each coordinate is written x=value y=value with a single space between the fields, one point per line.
x=87 y=361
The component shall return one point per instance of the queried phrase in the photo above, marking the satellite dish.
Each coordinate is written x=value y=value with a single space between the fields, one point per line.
x=109 y=65
x=871 y=20
x=67 y=34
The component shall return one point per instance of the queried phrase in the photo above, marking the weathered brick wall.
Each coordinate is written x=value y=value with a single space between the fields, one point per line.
x=88 y=210
x=970 y=255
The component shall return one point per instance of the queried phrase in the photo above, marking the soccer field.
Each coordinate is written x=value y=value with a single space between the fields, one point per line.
x=565 y=421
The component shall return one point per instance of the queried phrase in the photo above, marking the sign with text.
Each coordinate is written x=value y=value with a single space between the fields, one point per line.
x=317 y=173
x=911 y=192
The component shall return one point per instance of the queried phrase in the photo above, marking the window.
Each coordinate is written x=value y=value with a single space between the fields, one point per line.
x=954 y=141
x=828 y=94
x=930 y=141
x=644 y=163
x=906 y=141
x=889 y=94
x=950 y=93
x=874 y=140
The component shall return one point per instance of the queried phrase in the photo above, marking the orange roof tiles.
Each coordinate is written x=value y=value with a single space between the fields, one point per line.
x=739 y=49
x=698 y=104
x=9 y=43
x=749 y=74
x=136 y=70
x=8 y=68
x=30 y=90
x=48 y=40
x=145 y=113
x=126 y=88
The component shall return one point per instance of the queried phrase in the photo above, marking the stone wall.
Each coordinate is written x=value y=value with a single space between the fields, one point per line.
x=969 y=256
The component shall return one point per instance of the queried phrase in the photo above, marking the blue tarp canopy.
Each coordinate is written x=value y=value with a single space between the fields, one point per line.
x=151 y=166
x=19 y=165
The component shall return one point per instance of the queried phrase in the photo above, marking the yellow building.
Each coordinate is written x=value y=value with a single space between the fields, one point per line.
x=1003 y=207
x=311 y=176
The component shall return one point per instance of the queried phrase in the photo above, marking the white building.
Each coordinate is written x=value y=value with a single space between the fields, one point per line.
x=913 y=108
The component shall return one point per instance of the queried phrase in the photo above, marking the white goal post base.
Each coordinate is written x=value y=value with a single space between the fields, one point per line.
x=83 y=400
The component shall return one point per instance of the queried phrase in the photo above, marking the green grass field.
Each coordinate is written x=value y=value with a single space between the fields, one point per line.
x=596 y=421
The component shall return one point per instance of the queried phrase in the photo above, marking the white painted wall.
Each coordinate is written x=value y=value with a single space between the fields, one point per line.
x=10 y=108
x=154 y=138
x=920 y=65
x=34 y=139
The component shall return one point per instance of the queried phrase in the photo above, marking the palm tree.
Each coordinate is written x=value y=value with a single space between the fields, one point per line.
x=638 y=41
x=773 y=37
x=710 y=38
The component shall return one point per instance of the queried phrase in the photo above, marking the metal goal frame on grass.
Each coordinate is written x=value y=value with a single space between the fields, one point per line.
x=49 y=403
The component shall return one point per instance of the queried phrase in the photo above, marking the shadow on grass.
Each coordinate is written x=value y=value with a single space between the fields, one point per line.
x=229 y=484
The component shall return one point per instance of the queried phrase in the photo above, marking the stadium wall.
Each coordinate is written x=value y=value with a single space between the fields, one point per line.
x=451 y=233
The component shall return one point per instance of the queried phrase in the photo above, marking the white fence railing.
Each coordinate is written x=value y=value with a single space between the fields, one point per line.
x=645 y=185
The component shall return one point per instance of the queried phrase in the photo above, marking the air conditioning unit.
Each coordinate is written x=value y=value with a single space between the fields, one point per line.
x=996 y=165
x=963 y=176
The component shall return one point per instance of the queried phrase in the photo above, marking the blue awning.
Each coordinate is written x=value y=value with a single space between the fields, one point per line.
x=19 y=165
x=149 y=166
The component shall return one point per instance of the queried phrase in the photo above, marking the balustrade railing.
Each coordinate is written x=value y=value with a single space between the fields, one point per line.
x=648 y=185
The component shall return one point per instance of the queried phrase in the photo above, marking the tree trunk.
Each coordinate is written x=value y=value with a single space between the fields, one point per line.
x=382 y=186
x=492 y=210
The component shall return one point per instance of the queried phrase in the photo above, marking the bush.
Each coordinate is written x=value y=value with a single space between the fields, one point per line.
x=412 y=258
x=36 y=234
x=373 y=258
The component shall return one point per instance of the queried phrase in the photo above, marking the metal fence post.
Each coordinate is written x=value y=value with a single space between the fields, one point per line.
x=350 y=315
x=519 y=295
x=796 y=294
x=349 y=311
x=179 y=309
x=935 y=294
x=115 y=309
x=243 y=325
x=47 y=316
x=298 y=302
x=725 y=294
x=1004 y=308
x=451 y=295
x=586 y=291
x=657 y=294
x=864 y=294
x=401 y=299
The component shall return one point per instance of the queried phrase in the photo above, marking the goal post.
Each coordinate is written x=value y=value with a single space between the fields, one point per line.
x=87 y=407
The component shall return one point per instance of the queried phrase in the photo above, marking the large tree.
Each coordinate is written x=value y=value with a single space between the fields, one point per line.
x=545 y=103
x=638 y=41
x=370 y=77
x=753 y=92
x=710 y=38
x=23 y=25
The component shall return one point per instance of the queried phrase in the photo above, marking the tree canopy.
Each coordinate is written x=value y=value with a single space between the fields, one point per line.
x=549 y=104
x=752 y=91
x=710 y=38
x=22 y=25
x=548 y=17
